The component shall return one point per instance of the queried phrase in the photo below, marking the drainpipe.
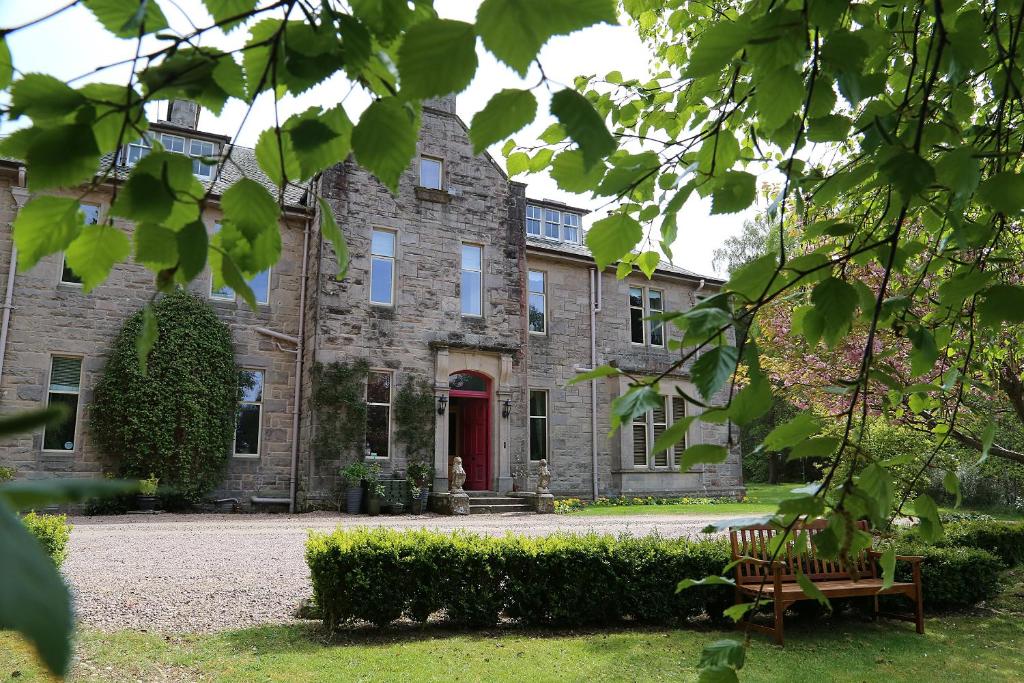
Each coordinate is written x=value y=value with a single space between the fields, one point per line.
x=703 y=467
x=595 y=308
x=12 y=268
x=297 y=342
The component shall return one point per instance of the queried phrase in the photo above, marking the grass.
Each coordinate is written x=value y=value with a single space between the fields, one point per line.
x=982 y=646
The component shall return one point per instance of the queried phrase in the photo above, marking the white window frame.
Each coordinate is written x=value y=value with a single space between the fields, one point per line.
x=557 y=222
x=64 y=257
x=217 y=295
x=530 y=417
x=479 y=271
x=389 y=405
x=143 y=144
x=676 y=452
x=641 y=308
x=645 y=313
x=566 y=227
x=259 y=422
x=171 y=136
x=78 y=404
x=543 y=294
x=538 y=218
x=440 y=171
x=196 y=158
x=394 y=267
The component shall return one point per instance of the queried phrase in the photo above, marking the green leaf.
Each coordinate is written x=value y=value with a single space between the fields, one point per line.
x=33 y=598
x=727 y=652
x=779 y=94
x=505 y=113
x=147 y=337
x=437 y=57
x=636 y=401
x=962 y=285
x=791 y=433
x=1004 y=192
x=713 y=368
x=738 y=611
x=611 y=238
x=25 y=421
x=924 y=352
x=1002 y=304
x=702 y=453
x=156 y=246
x=58 y=156
x=929 y=525
x=95 y=251
x=45 y=226
x=717 y=674
x=673 y=435
x=811 y=590
x=568 y=171
x=951 y=483
x=330 y=230
x=6 y=66
x=959 y=171
x=384 y=140
x=815 y=447
x=733 y=191
x=751 y=402
x=716 y=47
x=228 y=274
x=223 y=10
x=319 y=139
x=829 y=128
x=909 y=173
x=515 y=30
x=193 y=242
x=810 y=506
x=584 y=125
x=125 y=19
x=888 y=564
x=988 y=437
x=836 y=302
x=596 y=373
x=248 y=204
x=30 y=494
x=706 y=581
x=752 y=280
x=717 y=525
x=43 y=97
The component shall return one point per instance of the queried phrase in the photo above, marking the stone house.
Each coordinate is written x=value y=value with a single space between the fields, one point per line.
x=459 y=280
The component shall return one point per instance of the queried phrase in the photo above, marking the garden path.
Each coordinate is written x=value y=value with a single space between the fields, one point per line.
x=209 y=572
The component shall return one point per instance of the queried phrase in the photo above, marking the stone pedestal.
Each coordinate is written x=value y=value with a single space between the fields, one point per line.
x=449 y=503
x=545 y=503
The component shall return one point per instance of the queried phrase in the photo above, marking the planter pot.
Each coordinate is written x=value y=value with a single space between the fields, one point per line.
x=354 y=499
x=396 y=508
x=424 y=497
x=417 y=506
x=145 y=503
x=373 y=506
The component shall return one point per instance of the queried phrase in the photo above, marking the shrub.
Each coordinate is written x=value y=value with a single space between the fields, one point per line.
x=52 y=532
x=6 y=473
x=1005 y=540
x=379 y=575
x=178 y=420
x=952 y=577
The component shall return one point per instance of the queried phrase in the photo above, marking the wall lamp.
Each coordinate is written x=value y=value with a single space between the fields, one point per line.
x=506 y=408
x=442 y=403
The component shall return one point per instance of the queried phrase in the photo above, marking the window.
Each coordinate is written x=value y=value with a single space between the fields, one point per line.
x=259 y=284
x=382 y=267
x=173 y=143
x=533 y=220
x=538 y=302
x=679 y=414
x=552 y=219
x=538 y=424
x=198 y=150
x=250 y=414
x=570 y=227
x=378 y=413
x=90 y=216
x=65 y=385
x=430 y=173
x=647 y=428
x=472 y=279
x=643 y=303
x=136 y=150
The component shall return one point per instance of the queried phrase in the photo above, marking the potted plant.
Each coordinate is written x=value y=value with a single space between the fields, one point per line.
x=146 y=498
x=420 y=474
x=374 y=496
x=416 y=502
x=352 y=475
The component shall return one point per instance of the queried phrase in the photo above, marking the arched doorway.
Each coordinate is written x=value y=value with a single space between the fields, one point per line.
x=469 y=426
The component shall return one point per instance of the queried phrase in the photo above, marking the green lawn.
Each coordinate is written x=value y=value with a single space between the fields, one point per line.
x=979 y=647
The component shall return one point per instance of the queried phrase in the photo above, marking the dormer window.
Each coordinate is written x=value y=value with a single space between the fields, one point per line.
x=552 y=224
x=136 y=150
x=197 y=149
x=173 y=143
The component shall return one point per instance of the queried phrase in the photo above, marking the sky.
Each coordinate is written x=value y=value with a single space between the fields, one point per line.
x=73 y=44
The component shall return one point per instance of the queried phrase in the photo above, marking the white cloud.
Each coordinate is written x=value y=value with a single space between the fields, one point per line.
x=73 y=45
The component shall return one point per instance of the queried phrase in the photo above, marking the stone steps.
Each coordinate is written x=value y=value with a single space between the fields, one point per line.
x=494 y=503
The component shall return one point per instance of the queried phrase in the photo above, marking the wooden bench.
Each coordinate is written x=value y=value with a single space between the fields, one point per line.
x=776 y=581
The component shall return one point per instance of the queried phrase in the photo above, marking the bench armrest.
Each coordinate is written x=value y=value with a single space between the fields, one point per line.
x=903 y=558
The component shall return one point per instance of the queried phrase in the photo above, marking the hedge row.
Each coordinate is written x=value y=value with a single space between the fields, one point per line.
x=1005 y=540
x=52 y=532
x=952 y=577
x=380 y=575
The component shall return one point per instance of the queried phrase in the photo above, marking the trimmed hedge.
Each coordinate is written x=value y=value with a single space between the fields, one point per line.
x=380 y=575
x=952 y=577
x=1005 y=540
x=52 y=532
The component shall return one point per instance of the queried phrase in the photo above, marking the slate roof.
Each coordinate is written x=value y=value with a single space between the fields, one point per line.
x=582 y=251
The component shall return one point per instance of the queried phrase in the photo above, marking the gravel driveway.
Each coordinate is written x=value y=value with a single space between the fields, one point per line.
x=209 y=572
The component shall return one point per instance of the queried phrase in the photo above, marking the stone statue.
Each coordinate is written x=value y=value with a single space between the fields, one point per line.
x=543 y=477
x=458 y=476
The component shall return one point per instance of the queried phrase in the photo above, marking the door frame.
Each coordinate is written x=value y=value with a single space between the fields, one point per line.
x=485 y=396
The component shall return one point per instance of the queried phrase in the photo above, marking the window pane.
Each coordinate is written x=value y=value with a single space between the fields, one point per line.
x=533 y=220
x=471 y=255
x=654 y=297
x=536 y=313
x=471 y=304
x=378 y=387
x=570 y=227
x=658 y=413
x=538 y=438
x=467 y=382
x=200 y=148
x=65 y=374
x=636 y=325
x=224 y=292
x=252 y=386
x=536 y=281
x=381 y=272
x=90 y=213
x=636 y=297
x=551 y=223
x=383 y=243
x=247 y=431
x=377 y=430
x=570 y=234
x=260 y=285
x=538 y=404
x=430 y=173
x=639 y=444
x=61 y=437
x=657 y=334
x=201 y=169
x=172 y=143
x=661 y=457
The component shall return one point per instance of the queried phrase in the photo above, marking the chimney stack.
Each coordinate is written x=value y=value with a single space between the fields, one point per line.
x=444 y=103
x=184 y=113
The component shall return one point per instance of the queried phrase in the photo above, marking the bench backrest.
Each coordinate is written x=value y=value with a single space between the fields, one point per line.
x=752 y=541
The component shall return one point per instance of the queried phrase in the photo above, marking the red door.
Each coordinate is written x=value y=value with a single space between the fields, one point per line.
x=474 y=444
